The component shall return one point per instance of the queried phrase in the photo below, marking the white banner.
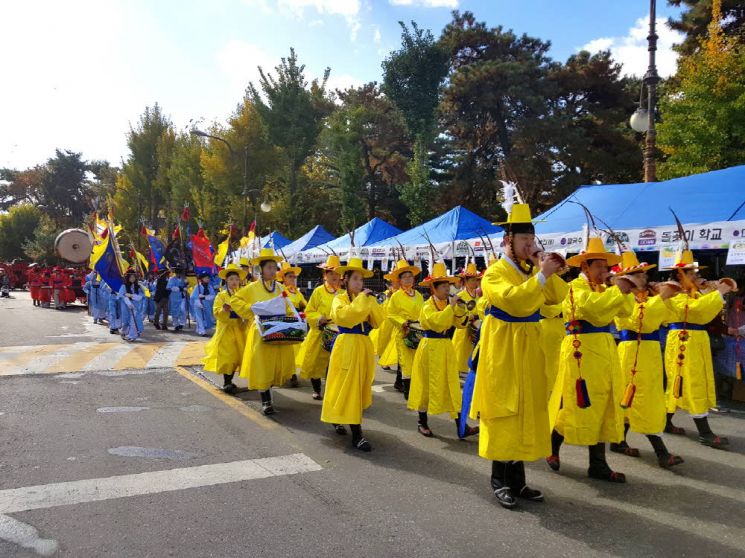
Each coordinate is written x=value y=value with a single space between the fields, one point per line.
x=667 y=257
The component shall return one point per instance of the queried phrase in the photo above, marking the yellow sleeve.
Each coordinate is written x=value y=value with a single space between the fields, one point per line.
x=700 y=310
x=312 y=313
x=436 y=320
x=377 y=313
x=551 y=310
x=346 y=314
x=217 y=310
x=241 y=303
x=518 y=300
x=555 y=290
x=599 y=308
x=394 y=312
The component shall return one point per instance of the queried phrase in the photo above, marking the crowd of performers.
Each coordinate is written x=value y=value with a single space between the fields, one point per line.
x=54 y=287
x=543 y=366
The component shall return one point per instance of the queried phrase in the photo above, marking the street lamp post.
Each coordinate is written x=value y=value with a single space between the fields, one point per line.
x=644 y=120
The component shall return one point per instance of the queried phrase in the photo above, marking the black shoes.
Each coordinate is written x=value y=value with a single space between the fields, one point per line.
x=267 y=408
x=713 y=441
x=362 y=444
x=530 y=494
x=503 y=494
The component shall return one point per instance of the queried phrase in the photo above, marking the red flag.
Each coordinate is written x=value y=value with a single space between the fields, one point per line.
x=143 y=230
x=252 y=228
x=185 y=216
x=201 y=252
x=176 y=233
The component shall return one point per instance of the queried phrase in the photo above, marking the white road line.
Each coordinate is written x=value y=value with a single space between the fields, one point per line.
x=26 y=536
x=108 y=358
x=166 y=356
x=123 y=486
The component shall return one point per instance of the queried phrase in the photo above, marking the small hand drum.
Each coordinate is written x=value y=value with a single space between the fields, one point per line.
x=281 y=330
x=414 y=335
x=328 y=336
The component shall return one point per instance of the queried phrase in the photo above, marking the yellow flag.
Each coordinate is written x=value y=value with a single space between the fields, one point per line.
x=222 y=252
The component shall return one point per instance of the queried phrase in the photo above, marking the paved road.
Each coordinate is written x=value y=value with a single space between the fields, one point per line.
x=153 y=461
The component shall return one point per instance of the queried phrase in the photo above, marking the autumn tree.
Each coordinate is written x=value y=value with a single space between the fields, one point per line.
x=695 y=18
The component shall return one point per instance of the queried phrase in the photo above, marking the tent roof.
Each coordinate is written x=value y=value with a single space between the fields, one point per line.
x=457 y=224
x=315 y=236
x=700 y=198
x=371 y=232
x=280 y=241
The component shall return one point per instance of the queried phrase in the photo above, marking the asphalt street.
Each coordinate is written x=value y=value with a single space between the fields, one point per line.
x=152 y=460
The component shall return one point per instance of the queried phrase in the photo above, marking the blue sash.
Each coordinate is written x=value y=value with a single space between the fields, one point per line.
x=360 y=329
x=505 y=317
x=586 y=327
x=429 y=334
x=630 y=335
x=689 y=327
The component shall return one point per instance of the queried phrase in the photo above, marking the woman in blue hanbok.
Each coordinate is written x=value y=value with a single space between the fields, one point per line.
x=201 y=301
x=177 y=299
x=115 y=312
x=131 y=296
x=97 y=303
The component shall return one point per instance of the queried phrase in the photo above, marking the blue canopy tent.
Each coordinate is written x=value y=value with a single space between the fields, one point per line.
x=371 y=232
x=448 y=233
x=315 y=236
x=276 y=239
x=709 y=204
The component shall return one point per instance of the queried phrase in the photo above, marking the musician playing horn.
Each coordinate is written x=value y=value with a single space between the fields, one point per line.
x=510 y=392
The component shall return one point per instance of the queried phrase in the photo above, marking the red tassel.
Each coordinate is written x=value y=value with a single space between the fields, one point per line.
x=583 y=397
x=678 y=387
x=628 y=396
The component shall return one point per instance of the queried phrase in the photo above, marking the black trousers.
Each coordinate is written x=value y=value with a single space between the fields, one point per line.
x=161 y=309
x=508 y=473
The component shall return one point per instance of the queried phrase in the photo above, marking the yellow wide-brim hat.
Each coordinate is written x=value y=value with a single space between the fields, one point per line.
x=331 y=263
x=470 y=271
x=266 y=255
x=354 y=264
x=232 y=268
x=402 y=266
x=287 y=268
x=684 y=260
x=244 y=261
x=439 y=275
x=518 y=215
x=630 y=264
x=595 y=250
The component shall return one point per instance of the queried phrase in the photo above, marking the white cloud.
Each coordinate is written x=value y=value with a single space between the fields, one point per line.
x=342 y=81
x=426 y=3
x=631 y=50
x=239 y=61
x=377 y=37
x=348 y=9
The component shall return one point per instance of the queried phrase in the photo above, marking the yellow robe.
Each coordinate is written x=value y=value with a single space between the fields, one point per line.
x=313 y=359
x=552 y=334
x=699 y=393
x=298 y=300
x=224 y=351
x=602 y=421
x=352 y=364
x=264 y=364
x=386 y=346
x=435 y=383
x=403 y=308
x=462 y=337
x=647 y=412
x=510 y=392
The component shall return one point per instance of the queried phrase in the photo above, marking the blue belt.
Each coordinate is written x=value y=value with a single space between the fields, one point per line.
x=505 y=317
x=689 y=327
x=586 y=327
x=234 y=315
x=360 y=329
x=429 y=334
x=630 y=335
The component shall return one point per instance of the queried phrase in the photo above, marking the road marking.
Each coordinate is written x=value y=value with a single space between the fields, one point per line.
x=138 y=357
x=25 y=536
x=104 y=360
x=20 y=357
x=192 y=354
x=166 y=355
x=123 y=486
x=235 y=404
x=79 y=359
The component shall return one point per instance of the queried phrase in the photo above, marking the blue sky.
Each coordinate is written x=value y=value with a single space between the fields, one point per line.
x=78 y=72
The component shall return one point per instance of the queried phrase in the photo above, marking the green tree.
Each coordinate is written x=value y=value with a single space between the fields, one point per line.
x=703 y=112
x=412 y=77
x=695 y=19
x=293 y=111
x=17 y=226
x=40 y=247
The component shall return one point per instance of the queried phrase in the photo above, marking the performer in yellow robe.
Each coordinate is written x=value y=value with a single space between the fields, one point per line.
x=386 y=358
x=264 y=364
x=313 y=359
x=510 y=392
x=641 y=362
x=469 y=295
x=287 y=275
x=435 y=382
x=403 y=309
x=690 y=311
x=224 y=352
x=352 y=365
x=589 y=356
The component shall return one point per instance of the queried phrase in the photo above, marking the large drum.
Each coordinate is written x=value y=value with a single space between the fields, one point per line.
x=328 y=336
x=414 y=335
x=474 y=326
x=73 y=245
x=281 y=330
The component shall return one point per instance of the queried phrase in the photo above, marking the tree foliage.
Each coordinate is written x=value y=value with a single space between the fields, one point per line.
x=17 y=226
x=695 y=19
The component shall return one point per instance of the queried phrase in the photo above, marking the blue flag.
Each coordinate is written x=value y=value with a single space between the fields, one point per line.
x=107 y=267
x=156 y=252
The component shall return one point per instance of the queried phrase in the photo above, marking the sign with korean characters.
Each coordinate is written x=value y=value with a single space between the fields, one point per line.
x=736 y=252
